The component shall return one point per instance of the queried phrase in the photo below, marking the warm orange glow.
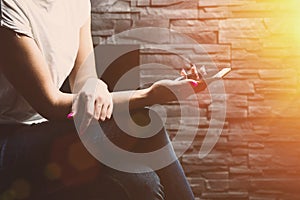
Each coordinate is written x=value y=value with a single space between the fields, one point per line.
x=292 y=20
x=282 y=42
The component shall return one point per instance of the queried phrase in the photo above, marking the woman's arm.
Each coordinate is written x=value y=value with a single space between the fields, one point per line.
x=24 y=66
x=93 y=99
x=26 y=69
x=160 y=92
x=84 y=67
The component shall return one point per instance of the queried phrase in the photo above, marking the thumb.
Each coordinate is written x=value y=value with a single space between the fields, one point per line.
x=192 y=82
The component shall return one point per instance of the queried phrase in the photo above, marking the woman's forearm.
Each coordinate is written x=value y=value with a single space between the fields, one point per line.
x=160 y=92
x=132 y=99
x=61 y=107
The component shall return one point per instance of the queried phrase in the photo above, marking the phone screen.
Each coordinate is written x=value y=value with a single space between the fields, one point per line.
x=222 y=73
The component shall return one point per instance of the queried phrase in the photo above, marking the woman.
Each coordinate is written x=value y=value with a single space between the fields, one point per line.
x=42 y=43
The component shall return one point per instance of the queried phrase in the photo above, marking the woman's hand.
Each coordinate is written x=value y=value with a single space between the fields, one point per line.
x=93 y=101
x=170 y=90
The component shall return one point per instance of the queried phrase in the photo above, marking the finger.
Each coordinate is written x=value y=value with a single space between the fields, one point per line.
x=75 y=104
x=88 y=113
x=109 y=110
x=199 y=86
x=183 y=73
x=194 y=71
x=203 y=70
x=104 y=112
x=192 y=82
x=71 y=115
x=97 y=110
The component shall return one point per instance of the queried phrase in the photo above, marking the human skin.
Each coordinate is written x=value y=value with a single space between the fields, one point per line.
x=26 y=69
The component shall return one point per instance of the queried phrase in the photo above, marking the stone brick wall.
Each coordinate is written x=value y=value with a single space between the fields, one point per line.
x=258 y=154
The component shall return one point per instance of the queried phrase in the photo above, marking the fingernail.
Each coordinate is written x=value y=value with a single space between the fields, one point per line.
x=203 y=70
x=194 y=71
x=70 y=115
x=194 y=83
x=183 y=73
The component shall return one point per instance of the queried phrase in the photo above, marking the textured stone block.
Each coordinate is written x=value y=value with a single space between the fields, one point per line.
x=262 y=63
x=204 y=37
x=231 y=111
x=204 y=3
x=243 y=10
x=216 y=175
x=197 y=185
x=177 y=3
x=151 y=23
x=214 y=12
x=100 y=24
x=172 y=63
x=214 y=159
x=260 y=111
x=278 y=185
x=243 y=33
x=108 y=32
x=242 y=24
x=239 y=87
x=239 y=184
x=122 y=25
x=271 y=74
x=244 y=170
x=143 y=2
x=238 y=54
x=192 y=26
x=112 y=16
x=239 y=43
x=217 y=185
x=225 y=195
x=163 y=13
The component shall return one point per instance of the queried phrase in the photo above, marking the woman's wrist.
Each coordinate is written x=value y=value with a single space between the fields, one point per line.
x=146 y=96
x=131 y=99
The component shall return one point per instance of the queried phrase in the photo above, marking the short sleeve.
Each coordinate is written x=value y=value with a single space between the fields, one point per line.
x=85 y=11
x=14 y=18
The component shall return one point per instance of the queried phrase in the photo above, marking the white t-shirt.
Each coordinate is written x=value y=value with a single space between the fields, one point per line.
x=54 y=25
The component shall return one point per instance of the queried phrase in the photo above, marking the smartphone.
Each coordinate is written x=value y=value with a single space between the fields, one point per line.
x=222 y=73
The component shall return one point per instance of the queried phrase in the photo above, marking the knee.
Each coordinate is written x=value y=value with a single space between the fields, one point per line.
x=149 y=118
x=156 y=136
x=145 y=186
x=151 y=187
x=131 y=186
x=145 y=116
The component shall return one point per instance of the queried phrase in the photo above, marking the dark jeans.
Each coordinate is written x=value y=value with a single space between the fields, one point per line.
x=48 y=161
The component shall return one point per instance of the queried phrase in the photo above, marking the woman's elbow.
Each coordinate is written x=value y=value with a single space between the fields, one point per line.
x=54 y=109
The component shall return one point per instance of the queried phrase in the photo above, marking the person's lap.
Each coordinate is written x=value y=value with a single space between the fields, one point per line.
x=49 y=161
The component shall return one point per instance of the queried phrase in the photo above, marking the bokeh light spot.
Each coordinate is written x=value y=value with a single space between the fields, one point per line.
x=53 y=171
x=79 y=157
x=21 y=189
x=8 y=195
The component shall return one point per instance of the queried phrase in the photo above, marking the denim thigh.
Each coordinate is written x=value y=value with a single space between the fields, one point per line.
x=48 y=161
